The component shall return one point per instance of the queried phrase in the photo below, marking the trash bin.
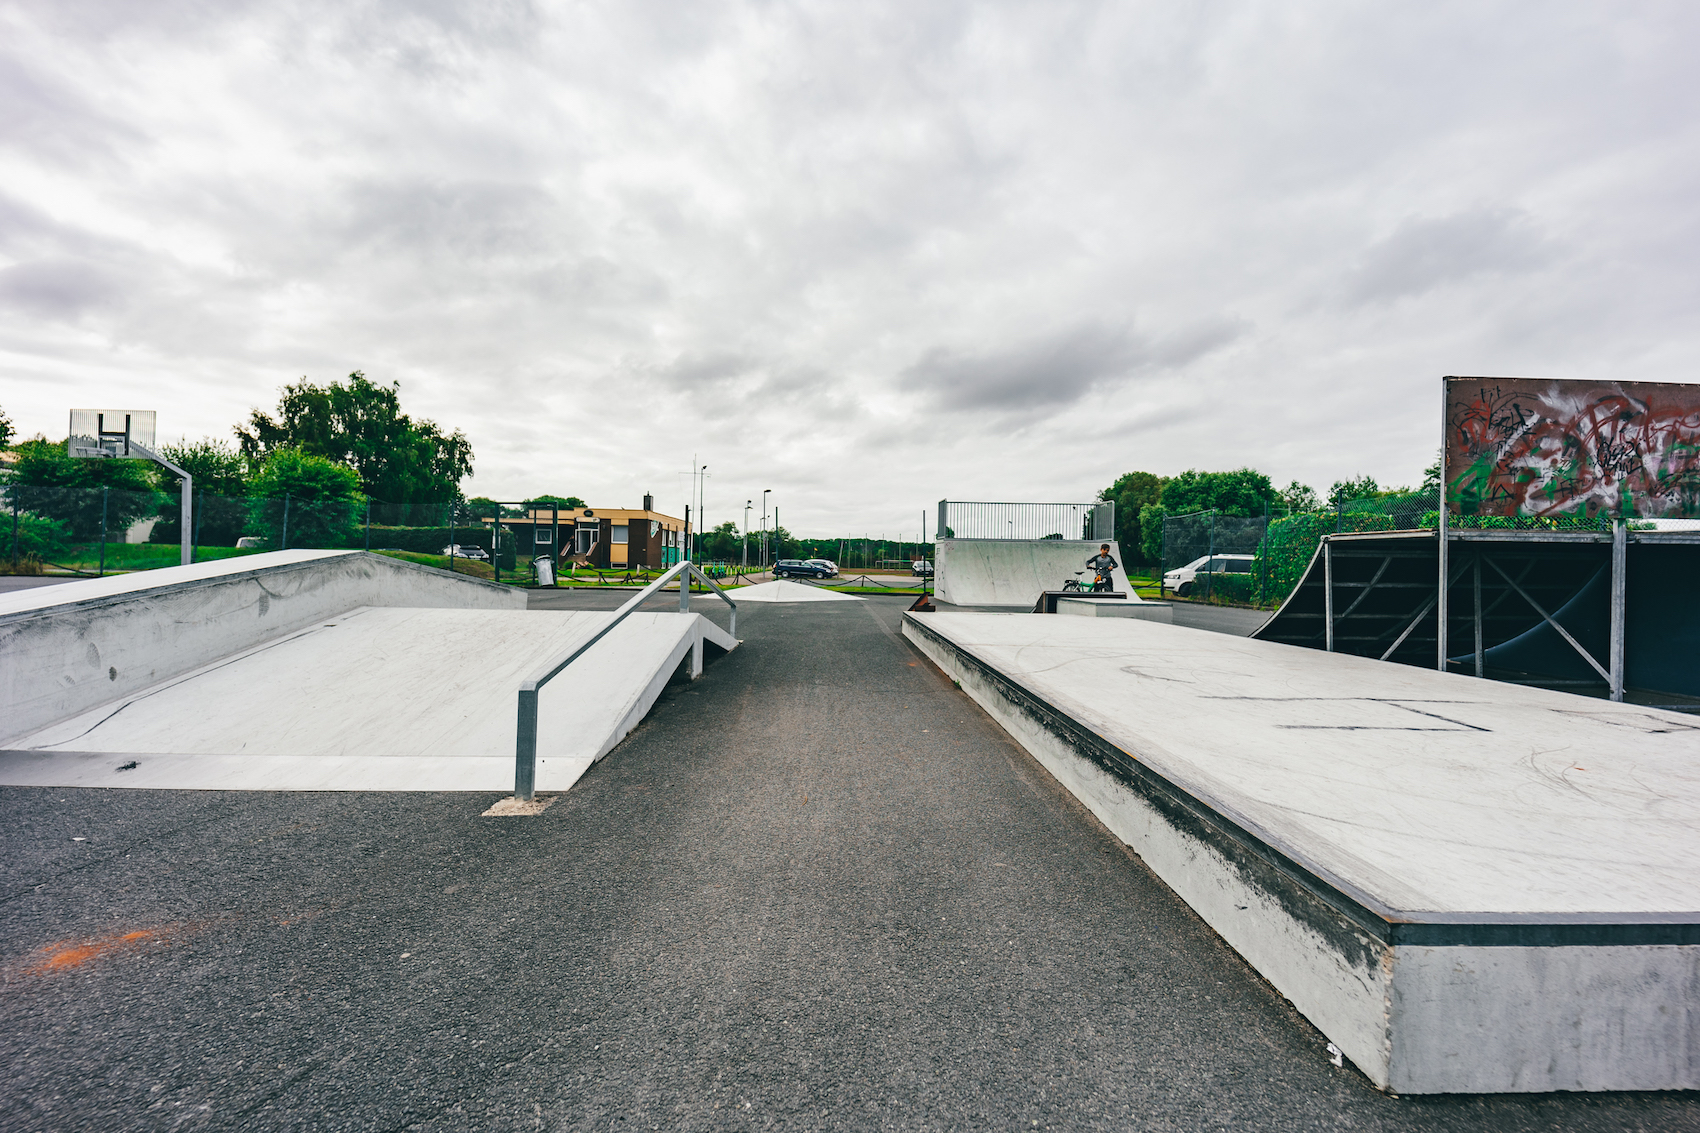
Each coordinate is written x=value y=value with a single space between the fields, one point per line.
x=545 y=570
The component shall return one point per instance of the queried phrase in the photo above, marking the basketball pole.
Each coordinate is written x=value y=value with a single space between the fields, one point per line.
x=188 y=497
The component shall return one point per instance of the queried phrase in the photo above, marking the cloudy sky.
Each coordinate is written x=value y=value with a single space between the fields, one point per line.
x=866 y=254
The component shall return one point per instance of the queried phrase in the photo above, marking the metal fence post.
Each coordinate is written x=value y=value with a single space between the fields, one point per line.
x=1619 y=584
x=100 y=571
x=13 y=492
x=285 y=545
x=368 y=523
x=195 y=547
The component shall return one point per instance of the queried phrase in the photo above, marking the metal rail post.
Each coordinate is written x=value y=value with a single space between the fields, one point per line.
x=1327 y=594
x=1619 y=585
x=1440 y=604
x=1481 y=657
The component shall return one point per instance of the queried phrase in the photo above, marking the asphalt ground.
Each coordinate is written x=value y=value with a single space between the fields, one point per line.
x=816 y=889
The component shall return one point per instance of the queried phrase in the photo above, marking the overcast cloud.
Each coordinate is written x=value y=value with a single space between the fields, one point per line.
x=867 y=255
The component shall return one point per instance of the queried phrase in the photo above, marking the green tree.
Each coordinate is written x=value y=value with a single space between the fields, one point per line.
x=1131 y=492
x=221 y=482
x=1357 y=488
x=301 y=500
x=562 y=502
x=1243 y=491
x=724 y=543
x=1300 y=497
x=1151 y=532
x=55 y=485
x=6 y=430
x=1431 y=477
x=361 y=424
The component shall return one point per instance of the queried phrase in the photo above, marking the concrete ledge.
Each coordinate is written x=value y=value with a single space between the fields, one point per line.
x=1116 y=608
x=68 y=648
x=1422 y=1002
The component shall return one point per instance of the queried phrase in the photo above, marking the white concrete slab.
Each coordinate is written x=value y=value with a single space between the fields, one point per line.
x=1468 y=886
x=782 y=591
x=374 y=699
x=1431 y=791
x=1116 y=608
x=1013 y=572
x=64 y=649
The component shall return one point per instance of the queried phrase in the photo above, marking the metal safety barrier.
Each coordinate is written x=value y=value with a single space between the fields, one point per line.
x=525 y=745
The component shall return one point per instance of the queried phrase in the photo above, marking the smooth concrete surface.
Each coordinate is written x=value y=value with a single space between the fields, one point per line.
x=11 y=582
x=1013 y=572
x=375 y=699
x=65 y=649
x=817 y=890
x=1466 y=886
x=781 y=590
x=1116 y=608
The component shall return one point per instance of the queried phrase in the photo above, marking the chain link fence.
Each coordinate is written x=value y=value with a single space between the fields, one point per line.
x=95 y=531
x=1281 y=544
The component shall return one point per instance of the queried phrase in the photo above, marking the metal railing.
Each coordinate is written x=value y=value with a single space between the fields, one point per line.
x=525 y=744
x=979 y=519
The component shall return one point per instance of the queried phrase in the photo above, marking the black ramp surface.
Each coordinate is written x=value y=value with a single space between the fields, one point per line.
x=816 y=889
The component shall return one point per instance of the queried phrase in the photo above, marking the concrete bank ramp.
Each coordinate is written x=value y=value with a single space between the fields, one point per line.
x=1468 y=886
x=1013 y=572
x=367 y=698
x=779 y=591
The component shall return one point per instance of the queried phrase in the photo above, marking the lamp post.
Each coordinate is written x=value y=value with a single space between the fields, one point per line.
x=764 y=493
x=702 y=493
x=747 y=505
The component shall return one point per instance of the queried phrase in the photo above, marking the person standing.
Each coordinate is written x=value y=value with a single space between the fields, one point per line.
x=1103 y=565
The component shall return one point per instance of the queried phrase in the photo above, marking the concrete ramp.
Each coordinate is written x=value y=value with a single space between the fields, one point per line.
x=1013 y=572
x=374 y=700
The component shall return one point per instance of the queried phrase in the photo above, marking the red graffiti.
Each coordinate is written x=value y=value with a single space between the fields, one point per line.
x=1519 y=446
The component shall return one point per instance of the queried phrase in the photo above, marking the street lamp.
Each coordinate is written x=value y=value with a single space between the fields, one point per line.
x=747 y=505
x=764 y=493
x=702 y=499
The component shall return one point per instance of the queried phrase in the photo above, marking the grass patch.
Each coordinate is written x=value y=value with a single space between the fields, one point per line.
x=124 y=557
x=470 y=567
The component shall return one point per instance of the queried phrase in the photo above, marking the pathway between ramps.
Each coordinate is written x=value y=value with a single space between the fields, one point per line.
x=816 y=889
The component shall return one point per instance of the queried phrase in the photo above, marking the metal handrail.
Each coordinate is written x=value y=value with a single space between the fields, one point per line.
x=525 y=745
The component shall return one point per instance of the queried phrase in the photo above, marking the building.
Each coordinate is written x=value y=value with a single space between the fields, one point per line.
x=610 y=538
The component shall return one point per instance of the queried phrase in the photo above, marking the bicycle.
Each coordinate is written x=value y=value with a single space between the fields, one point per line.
x=1101 y=584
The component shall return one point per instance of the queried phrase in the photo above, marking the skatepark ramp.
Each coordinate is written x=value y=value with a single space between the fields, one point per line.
x=1528 y=607
x=317 y=670
x=1014 y=572
x=1468 y=887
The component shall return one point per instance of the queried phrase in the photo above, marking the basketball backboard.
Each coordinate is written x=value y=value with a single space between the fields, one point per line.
x=97 y=433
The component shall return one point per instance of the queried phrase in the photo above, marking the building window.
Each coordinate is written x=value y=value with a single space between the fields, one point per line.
x=619 y=533
x=545 y=535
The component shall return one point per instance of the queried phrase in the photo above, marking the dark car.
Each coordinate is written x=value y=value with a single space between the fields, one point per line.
x=797 y=568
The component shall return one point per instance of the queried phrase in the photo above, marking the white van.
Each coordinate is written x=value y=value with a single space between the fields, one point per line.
x=1182 y=579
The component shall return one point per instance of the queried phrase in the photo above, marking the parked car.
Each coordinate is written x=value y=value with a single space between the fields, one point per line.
x=831 y=567
x=797 y=568
x=1182 y=579
x=463 y=551
x=921 y=567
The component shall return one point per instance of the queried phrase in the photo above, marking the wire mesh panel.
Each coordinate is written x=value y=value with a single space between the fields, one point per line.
x=961 y=519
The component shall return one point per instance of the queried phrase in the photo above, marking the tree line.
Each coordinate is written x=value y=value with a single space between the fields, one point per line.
x=1144 y=499
x=330 y=449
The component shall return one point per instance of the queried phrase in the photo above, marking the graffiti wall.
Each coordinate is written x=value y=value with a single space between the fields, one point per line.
x=1549 y=447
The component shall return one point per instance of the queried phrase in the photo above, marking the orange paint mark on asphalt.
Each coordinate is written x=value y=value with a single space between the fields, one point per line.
x=66 y=955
